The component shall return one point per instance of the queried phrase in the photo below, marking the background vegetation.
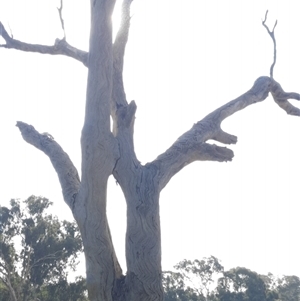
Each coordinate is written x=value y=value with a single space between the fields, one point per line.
x=38 y=251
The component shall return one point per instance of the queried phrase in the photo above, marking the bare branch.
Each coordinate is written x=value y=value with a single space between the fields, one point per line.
x=61 y=18
x=66 y=171
x=281 y=98
x=192 y=146
x=40 y=261
x=272 y=35
x=60 y=47
x=119 y=97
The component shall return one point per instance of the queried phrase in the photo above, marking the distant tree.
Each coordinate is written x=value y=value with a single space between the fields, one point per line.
x=36 y=251
x=206 y=280
x=64 y=291
x=194 y=280
x=175 y=288
x=271 y=283
x=288 y=288
x=241 y=284
x=201 y=273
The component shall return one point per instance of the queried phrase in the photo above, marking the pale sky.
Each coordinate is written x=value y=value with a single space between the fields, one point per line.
x=184 y=59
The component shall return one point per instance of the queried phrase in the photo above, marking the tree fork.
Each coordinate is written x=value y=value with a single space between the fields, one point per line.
x=106 y=153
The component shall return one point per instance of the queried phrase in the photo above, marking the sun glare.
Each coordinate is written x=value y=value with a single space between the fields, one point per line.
x=116 y=18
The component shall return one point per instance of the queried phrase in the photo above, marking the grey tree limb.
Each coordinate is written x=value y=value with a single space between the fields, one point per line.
x=61 y=47
x=281 y=98
x=192 y=145
x=66 y=171
x=118 y=94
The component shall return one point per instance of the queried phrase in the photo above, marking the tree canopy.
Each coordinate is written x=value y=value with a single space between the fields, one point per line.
x=207 y=280
x=36 y=253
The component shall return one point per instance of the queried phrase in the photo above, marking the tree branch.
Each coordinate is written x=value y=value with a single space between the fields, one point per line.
x=60 y=47
x=281 y=98
x=4 y=269
x=272 y=35
x=6 y=279
x=61 y=18
x=192 y=146
x=44 y=258
x=119 y=97
x=66 y=171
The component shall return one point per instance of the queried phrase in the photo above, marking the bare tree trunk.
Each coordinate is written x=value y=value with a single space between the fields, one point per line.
x=98 y=158
x=143 y=237
x=106 y=153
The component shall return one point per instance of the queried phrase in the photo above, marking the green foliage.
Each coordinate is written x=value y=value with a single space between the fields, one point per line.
x=206 y=280
x=64 y=291
x=200 y=272
x=288 y=288
x=4 y=292
x=176 y=289
x=36 y=252
x=242 y=284
x=193 y=281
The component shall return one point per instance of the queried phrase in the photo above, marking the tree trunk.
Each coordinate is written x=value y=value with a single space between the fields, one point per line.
x=106 y=153
x=98 y=158
x=143 y=238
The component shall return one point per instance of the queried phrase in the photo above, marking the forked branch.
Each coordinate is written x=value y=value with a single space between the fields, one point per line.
x=66 y=171
x=119 y=97
x=60 y=47
x=192 y=145
x=272 y=35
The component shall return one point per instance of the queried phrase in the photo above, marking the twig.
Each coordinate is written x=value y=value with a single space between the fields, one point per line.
x=272 y=35
x=61 y=18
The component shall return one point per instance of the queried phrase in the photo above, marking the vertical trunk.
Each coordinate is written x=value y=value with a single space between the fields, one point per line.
x=101 y=268
x=98 y=159
x=143 y=238
x=141 y=190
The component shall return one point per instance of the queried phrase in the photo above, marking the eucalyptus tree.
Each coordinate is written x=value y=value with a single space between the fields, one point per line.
x=36 y=253
x=109 y=150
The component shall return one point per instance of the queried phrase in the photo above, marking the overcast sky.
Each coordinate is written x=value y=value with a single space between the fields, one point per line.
x=184 y=59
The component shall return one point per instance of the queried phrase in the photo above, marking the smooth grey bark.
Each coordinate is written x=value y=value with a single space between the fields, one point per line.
x=106 y=152
x=60 y=47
